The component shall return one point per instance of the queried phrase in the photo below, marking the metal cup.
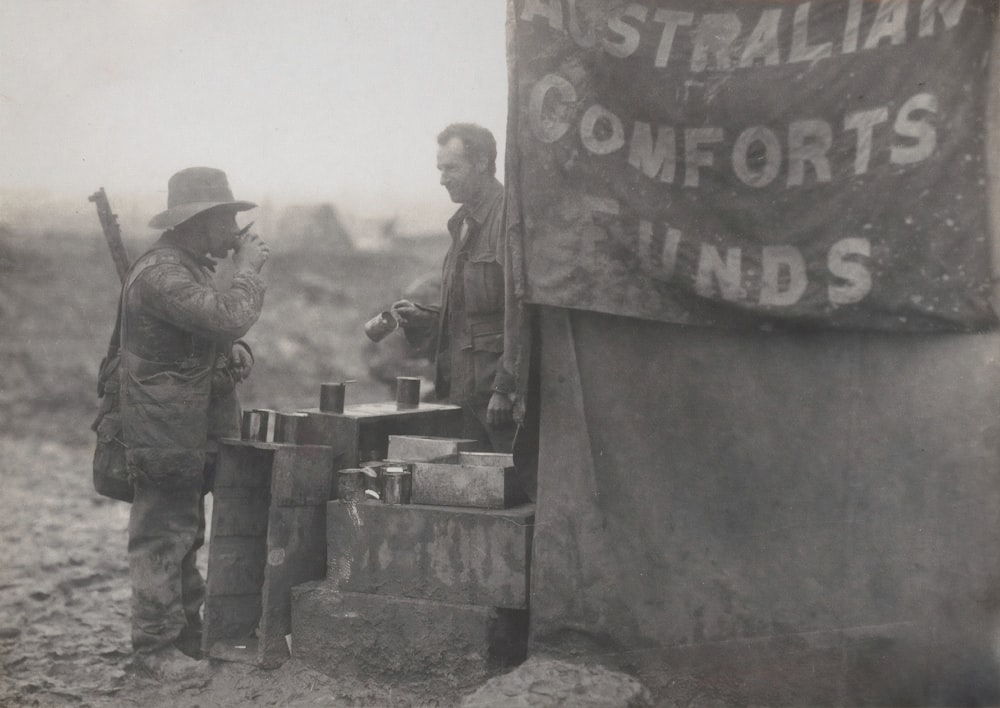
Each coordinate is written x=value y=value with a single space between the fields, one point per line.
x=381 y=326
x=350 y=485
x=286 y=427
x=407 y=392
x=331 y=397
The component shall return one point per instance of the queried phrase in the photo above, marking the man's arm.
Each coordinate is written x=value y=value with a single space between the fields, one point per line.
x=415 y=315
x=170 y=292
x=419 y=323
x=240 y=360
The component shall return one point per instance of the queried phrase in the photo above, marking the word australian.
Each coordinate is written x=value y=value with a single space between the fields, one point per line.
x=722 y=41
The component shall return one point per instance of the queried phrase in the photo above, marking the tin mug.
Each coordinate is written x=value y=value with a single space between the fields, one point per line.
x=396 y=485
x=381 y=326
x=286 y=427
x=250 y=428
x=331 y=397
x=407 y=392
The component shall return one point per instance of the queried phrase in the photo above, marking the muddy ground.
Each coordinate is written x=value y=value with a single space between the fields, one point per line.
x=64 y=592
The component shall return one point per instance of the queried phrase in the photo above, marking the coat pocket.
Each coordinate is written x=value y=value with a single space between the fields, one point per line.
x=483 y=281
x=165 y=426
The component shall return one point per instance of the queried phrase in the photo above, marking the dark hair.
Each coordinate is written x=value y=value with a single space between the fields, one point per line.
x=479 y=143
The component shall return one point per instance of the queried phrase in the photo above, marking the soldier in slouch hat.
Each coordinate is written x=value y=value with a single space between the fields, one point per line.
x=182 y=357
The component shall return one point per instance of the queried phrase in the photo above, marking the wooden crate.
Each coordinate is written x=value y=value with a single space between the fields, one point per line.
x=268 y=533
x=362 y=431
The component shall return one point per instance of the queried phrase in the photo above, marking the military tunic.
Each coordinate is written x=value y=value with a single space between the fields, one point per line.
x=469 y=338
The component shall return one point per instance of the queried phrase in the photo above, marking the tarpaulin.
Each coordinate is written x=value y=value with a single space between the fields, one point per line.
x=733 y=162
x=787 y=518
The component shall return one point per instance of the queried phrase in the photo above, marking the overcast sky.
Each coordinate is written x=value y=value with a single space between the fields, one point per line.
x=336 y=100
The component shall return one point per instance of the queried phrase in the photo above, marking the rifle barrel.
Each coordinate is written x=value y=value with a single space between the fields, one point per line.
x=112 y=233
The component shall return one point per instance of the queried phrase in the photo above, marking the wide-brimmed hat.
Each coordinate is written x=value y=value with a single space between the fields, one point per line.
x=192 y=191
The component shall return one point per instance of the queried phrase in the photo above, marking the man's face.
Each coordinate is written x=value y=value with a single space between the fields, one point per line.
x=221 y=229
x=459 y=175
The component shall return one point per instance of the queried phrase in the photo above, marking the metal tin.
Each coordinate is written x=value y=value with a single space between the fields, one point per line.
x=350 y=485
x=265 y=431
x=331 y=397
x=381 y=326
x=250 y=425
x=286 y=427
x=396 y=485
x=407 y=392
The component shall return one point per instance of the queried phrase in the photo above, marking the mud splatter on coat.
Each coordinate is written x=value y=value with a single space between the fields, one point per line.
x=177 y=394
x=177 y=398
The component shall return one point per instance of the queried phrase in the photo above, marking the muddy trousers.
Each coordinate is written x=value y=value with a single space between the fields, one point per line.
x=166 y=528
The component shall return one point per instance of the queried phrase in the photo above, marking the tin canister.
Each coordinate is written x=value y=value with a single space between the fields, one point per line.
x=350 y=485
x=381 y=326
x=396 y=485
x=407 y=392
x=331 y=397
x=250 y=426
x=265 y=431
x=286 y=427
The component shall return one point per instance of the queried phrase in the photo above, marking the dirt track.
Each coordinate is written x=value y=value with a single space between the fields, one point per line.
x=64 y=591
x=65 y=600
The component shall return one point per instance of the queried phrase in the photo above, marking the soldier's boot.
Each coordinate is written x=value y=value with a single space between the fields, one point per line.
x=170 y=665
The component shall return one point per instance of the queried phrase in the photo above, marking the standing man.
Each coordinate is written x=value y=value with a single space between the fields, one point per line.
x=466 y=331
x=181 y=360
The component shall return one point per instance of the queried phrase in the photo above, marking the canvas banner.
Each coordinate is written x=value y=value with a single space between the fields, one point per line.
x=740 y=162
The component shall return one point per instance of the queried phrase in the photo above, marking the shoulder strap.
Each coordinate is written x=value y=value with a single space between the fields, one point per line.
x=130 y=276
x=107 y=364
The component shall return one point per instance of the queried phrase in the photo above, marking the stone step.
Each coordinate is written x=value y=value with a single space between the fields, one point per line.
x=448 y=554
x=486 y=459
x=402 y=640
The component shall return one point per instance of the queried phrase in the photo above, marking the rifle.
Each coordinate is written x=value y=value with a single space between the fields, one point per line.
x=112 y=232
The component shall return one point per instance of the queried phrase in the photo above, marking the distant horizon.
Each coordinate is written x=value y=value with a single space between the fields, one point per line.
x=308 y=101
x=38 y=210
